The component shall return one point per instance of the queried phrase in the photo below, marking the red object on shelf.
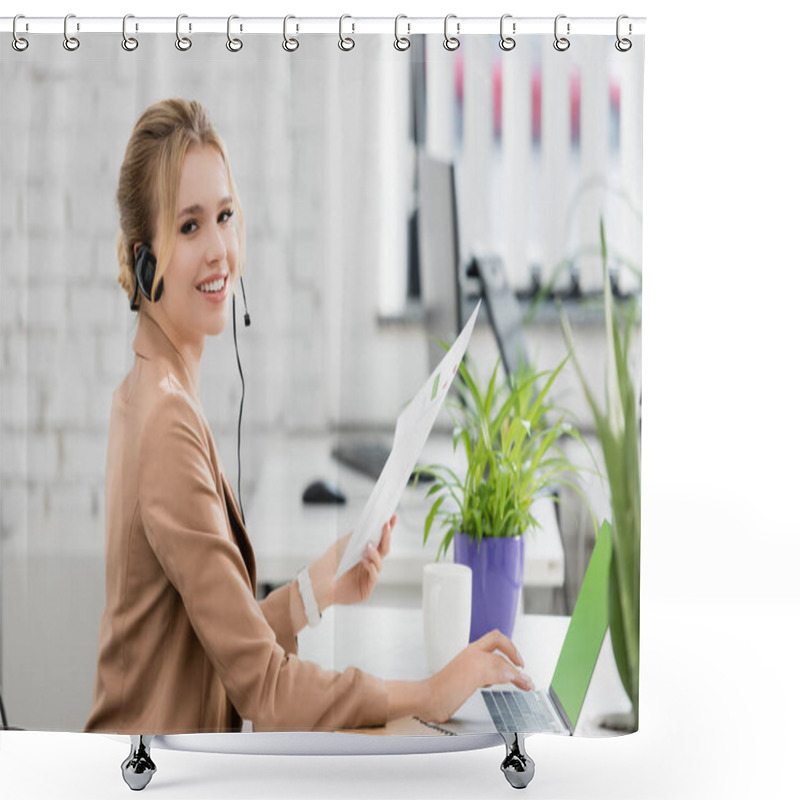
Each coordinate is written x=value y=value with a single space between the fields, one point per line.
x=536 y=99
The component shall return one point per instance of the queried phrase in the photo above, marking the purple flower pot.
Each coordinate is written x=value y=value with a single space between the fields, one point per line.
x=497 y=568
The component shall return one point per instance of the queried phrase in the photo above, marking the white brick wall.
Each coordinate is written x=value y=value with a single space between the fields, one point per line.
x=14 y=505
x=14 y=454
x=60 y=258
x=47 y=306
x=44 y=455
x=83 y=456
x=15 y=400
x=65 y=331
x=74 y=500
x=98 y=306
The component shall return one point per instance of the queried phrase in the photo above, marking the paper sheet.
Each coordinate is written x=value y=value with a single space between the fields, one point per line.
x=410 y=434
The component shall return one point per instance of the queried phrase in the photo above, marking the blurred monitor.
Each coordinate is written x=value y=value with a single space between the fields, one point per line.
x=442 y=283
x=439 y=260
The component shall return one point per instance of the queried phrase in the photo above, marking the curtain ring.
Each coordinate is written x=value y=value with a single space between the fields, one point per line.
x=18 y=43
x=289 y=44
x=507 y=42
x=451 y=42
x=401 y=43
x=345 y=42
x=182 y=42
x=561 y=43
x=70 y=43
x=233 y=44
x=623 y=45
x=129 y=43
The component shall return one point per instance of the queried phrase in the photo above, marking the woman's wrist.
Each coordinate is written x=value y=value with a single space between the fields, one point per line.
x=322 y=584
x=297 y=612
x=310 y=604
x=297 y=607
x=409 y=698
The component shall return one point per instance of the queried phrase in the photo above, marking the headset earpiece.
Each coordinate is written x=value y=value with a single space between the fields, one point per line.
x=145 y=271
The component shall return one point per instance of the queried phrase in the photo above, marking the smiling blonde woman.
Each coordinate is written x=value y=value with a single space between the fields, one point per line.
x=184 y=645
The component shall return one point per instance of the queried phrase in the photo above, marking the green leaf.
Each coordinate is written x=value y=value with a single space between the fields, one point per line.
x=430 y=517
x=617 y=632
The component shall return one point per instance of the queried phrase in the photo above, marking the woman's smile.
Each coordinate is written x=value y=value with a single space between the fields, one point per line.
x=215 y=288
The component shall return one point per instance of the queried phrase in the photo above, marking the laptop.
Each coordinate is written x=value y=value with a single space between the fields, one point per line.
x=556 y=710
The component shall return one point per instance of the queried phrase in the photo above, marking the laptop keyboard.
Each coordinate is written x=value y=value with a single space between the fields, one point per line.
x=519 y=712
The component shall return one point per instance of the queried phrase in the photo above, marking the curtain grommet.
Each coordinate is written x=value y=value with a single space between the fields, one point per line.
x=129 y=43
x=507 y=42
x=71 y=43
x=623 y=44
x=401 y=43
x=233 y=44
x=561 y=43
x=290 y=44
x=183 y=43
x=19 y=43
x=346 y=43
x=451 y=43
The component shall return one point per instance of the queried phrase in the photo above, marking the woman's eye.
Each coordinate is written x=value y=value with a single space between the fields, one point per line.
x=225 y=215
x=189 y=227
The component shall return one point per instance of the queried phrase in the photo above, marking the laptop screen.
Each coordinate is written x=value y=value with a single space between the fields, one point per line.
x=585 y=634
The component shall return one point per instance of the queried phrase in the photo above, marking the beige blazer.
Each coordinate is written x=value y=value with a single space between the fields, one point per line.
x=184 y=646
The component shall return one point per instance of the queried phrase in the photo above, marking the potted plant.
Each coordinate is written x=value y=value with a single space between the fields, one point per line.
x=510 y=434
x=618 y=431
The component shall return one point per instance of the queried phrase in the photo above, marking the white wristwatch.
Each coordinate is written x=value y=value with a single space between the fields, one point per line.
x=309 y=600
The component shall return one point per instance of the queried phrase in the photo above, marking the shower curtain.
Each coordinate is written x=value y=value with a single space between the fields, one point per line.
x=328 y=143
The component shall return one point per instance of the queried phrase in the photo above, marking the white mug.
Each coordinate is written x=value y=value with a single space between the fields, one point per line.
x=446 y=611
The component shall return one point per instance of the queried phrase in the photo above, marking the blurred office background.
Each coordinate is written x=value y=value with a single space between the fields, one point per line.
x=324 y=147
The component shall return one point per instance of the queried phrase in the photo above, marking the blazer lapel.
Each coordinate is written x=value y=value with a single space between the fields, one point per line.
x=239 y=532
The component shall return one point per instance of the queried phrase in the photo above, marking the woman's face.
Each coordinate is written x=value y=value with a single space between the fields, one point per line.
x=197 y=281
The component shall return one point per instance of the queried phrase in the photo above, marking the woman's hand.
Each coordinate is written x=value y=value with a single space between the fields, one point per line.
x=475 y=666
x=358 y=582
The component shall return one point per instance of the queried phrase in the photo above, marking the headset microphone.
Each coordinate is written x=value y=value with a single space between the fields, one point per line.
x=244 y=297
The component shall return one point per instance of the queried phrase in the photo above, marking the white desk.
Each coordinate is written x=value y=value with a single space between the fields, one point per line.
x=388 y=642
x=286 y=534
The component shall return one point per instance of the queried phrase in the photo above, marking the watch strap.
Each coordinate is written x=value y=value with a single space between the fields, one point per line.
x=309 y=600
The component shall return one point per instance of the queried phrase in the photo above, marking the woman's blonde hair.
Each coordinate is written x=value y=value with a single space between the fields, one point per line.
x=149 y=179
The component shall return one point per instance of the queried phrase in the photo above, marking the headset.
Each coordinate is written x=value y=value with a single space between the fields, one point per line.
x=144 y=269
